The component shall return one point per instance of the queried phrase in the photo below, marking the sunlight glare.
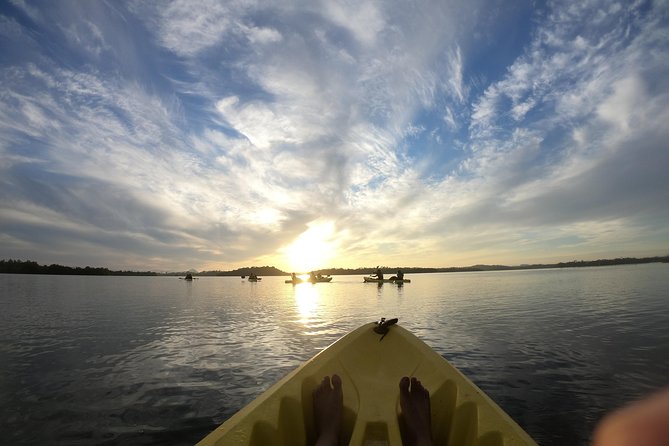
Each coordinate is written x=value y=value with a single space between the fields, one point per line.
x=313 y=248
x=306 y=298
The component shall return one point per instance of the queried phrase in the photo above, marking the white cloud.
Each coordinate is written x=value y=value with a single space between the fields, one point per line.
x=187 y=30
x=31 y=12
x=262 y=35
x=454 y=77
x=620 y=109
x=364 y=20
x=315 y=111
x=88 y=36
x=264 y=126
x=10 y=28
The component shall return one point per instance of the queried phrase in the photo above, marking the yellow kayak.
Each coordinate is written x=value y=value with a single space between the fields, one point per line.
x=371 y=365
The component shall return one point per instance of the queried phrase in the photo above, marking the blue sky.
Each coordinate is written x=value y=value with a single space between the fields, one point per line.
x=304 y=134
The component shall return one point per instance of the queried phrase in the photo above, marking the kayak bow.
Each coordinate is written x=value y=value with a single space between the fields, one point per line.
x=371 y=364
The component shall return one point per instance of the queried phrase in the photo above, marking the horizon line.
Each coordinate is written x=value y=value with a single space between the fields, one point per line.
x=474 y=267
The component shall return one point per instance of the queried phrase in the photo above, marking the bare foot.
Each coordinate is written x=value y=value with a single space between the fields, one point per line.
x=416 y=416
x=328 y=406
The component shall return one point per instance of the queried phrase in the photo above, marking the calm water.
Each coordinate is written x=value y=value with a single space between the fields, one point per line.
x=145 y=360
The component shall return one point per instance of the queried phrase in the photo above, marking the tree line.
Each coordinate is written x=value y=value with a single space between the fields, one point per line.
x=31 y=267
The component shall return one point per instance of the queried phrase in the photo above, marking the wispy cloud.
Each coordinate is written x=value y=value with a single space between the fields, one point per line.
x=213 y=134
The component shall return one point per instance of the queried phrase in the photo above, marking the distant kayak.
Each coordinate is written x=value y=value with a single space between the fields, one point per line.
x=371 y=360
x=391 y=280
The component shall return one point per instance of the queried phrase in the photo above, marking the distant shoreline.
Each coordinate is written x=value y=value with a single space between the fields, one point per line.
x=31 y=267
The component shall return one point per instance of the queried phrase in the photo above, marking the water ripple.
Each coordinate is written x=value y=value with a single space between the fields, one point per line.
x=143 y=361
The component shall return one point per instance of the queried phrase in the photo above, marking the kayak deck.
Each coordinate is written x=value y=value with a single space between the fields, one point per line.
x=370 y=369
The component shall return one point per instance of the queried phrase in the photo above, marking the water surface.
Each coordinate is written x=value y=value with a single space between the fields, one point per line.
x=157 y=360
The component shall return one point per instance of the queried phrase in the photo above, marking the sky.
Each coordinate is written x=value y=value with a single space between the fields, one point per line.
x=320 y=133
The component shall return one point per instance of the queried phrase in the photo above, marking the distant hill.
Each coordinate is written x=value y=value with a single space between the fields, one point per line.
x=258 y=270
x=31 y=267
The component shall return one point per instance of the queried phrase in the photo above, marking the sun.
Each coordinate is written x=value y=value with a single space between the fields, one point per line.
x=312 y=249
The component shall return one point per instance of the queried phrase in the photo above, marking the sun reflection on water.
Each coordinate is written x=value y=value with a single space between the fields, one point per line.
x=307 y=298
